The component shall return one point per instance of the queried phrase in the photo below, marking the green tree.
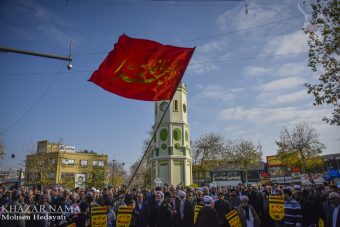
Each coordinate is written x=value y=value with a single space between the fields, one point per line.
x=324 y=49
x=300 y=147
x=209 y=147
x=207 y=153
x=118 y=173
x=245 y=154
x=39 y=166
x=68 y=180
x=97 y=178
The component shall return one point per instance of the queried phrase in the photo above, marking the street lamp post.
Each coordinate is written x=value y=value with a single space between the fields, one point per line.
x=113 y=169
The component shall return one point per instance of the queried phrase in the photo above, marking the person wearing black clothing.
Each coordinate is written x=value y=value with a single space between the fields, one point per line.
x=165 y=212
x=222 y=207
x=141 y=210
x=308 y=211
x=154 y=208
x=207 y=217
x=254 y=199
x=185 y=211
x=83 y=219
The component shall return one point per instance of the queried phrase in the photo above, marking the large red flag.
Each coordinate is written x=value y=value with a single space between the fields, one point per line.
x=142 y=69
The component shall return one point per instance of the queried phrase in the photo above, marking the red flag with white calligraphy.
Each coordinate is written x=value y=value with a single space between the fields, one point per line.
x=142 y=69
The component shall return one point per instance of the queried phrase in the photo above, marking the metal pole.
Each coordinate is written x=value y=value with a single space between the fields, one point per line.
x=20 y=172
x=113 y=169
x=28 y=52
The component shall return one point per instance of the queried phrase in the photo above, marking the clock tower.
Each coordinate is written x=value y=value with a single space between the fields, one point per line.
x=171 y=159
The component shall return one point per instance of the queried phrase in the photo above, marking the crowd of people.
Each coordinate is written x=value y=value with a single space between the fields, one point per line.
x=170 y=206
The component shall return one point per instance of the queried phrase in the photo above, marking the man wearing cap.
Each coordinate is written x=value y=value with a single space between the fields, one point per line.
x=222 y=207
x=293 y=213
x=186 y=212
x=207 y=200
x=247 y=213
x=207 y=216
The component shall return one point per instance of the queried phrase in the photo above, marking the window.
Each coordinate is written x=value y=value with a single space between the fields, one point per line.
x=222 y=176
x=30 y=176
x=52 y=161
x=98 y=163
x=233 y=176
x=50 y=175
x=67 y=175
x=184 y=108
x=253 y=175
x=37 y=176
x=66 y=161
x=176 y=105
x=83 y=162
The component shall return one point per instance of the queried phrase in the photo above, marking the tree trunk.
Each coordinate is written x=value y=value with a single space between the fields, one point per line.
x=311 y=179
x=246 y=176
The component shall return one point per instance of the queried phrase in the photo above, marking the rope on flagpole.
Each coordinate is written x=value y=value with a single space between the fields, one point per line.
x=152 y=138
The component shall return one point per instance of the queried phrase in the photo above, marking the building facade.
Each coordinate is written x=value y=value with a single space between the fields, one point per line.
x=332 y=168
x=171 y=158
x=232 y=174
x=229 y=175
x=58 y=164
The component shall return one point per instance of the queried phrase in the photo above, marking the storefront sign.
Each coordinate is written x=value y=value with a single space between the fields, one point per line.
x=273 y=161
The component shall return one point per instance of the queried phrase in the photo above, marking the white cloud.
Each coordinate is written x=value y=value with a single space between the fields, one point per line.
x=257 y=71
x=286 y=44
x=292 y=69
x=256 y=15
x=42 y=21
x=199 y=67
x=274 y=99
x=281 y=84
x=219 y=93
x=272 y=115
x=212 y=47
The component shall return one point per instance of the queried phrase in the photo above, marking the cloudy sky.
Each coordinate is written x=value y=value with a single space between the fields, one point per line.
x=245 y=79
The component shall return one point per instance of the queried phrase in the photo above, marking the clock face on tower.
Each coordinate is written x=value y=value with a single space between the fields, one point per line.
x=163 y=106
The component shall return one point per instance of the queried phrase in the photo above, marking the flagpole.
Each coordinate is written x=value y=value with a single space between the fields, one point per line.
x=153 y=136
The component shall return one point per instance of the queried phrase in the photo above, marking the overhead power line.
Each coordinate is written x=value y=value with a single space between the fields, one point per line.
x=211 y=36
x=198 y=63
x=162 y=3
x=35 y=103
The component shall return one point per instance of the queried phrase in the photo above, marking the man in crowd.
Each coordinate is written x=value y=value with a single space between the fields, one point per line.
x=292 y=209
x=222 y=207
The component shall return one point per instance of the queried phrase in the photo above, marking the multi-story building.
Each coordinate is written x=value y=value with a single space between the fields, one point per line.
x=58 y=164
